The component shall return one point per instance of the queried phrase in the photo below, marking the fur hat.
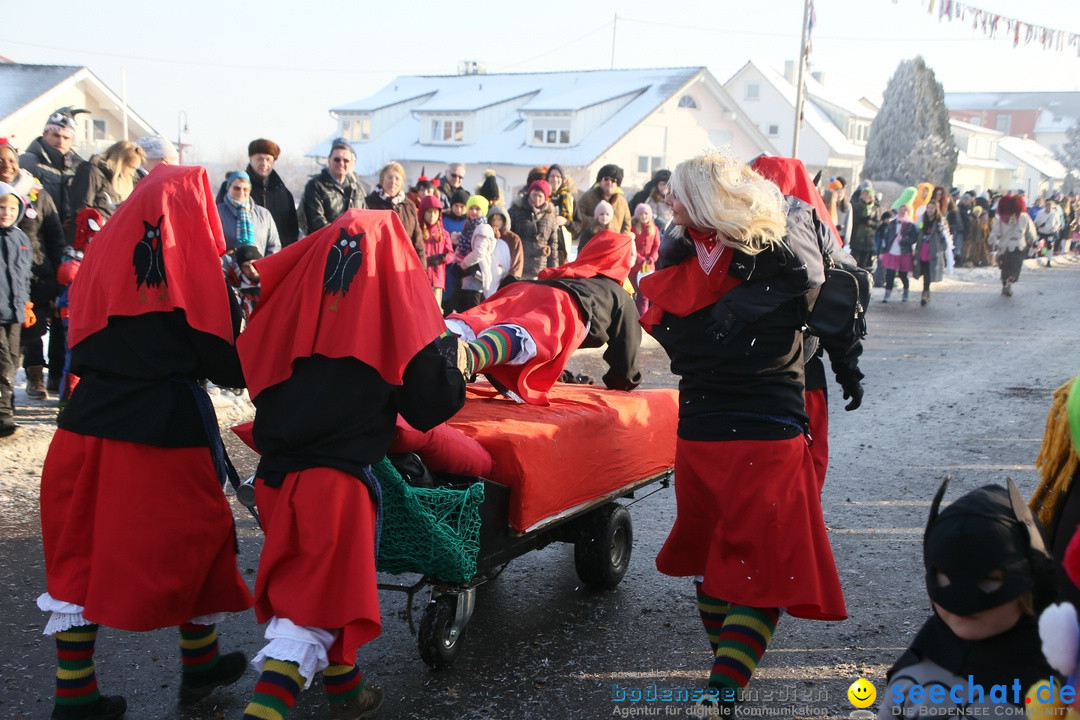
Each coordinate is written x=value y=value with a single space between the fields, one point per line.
x=541 y=185
x=262 y=146
x=612 y=171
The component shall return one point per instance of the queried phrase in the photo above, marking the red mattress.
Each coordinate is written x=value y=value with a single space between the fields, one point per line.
x=589 y=441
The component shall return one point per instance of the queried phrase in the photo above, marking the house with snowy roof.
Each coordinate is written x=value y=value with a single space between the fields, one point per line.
x=1041 y=116
x=1036 y=170
x=30 y=93
x=836 y=124
x=979 y=165
x=641 y=120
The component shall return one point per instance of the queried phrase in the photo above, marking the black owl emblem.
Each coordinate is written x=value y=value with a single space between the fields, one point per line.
x=149 y=261
x=342 y=262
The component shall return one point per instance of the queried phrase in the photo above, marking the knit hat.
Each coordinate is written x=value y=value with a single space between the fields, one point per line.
x=641 y=209
x=157 y=147
x=461 y=195
x=611 y=171
x=64 y=118
x=245 y=253
x=236 y=175
x=341 y=143
x=430 y=202
x=478 y=201
x=490 y=187
x=604 y=205
x=262 y=146
x=541 y=185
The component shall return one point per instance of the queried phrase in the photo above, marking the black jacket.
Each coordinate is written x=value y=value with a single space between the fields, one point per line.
x=54 y=170
x=325 y=199
x=272 y=194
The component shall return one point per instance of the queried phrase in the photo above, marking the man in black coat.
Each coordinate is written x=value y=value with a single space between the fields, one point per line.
x=268 y=189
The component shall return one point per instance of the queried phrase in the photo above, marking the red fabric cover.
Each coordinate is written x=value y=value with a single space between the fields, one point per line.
x=83 y=232
x=792 y=177
x=191 y=244
x=317 y=565
x=608 y=253
x=387 y=314
x=817 y=410
x=552 y=457
x=685 y=288
x=551 y=317
x=443 y=449
x=141 y=536
x=246 y=432
x=749 y=519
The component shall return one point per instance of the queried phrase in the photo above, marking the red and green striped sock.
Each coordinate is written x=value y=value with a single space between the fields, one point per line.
x=276 y=692
x=342 y=682
x=494 y=346
x=742 y=642
x=76 y=683
x=198 y=647
x=713 y=611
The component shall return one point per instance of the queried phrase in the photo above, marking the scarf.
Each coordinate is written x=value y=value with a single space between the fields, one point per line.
x=464 y=245
x=245 y=228
x=393 y=200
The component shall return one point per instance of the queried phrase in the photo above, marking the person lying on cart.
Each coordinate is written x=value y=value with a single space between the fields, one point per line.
x=341 y=342
x=522 y=337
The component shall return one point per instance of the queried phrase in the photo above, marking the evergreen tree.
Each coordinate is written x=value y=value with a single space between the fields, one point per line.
x=1069 y=156
x=910 y=139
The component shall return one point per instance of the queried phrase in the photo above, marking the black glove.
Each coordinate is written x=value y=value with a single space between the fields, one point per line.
x=853 y=391
x=723 y=324
x=436 y=259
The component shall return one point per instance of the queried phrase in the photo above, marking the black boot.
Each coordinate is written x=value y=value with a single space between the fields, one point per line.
x=229 y=669
x=106 y=707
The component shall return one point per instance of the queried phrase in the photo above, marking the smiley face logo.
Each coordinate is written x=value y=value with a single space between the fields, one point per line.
x=862 y=693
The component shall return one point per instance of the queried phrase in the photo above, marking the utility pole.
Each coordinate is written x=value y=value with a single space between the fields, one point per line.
x=614 y=29
x=800 y=89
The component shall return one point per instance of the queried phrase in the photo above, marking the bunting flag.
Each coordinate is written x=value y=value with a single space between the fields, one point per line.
x=991 y=24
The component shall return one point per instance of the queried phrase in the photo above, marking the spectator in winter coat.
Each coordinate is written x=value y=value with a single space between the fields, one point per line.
x=534 y=220
x=1048 y=226
x=105 y=180
x=562 y=199
x=512 y=264
x=864 y=225
x=15 y=306
x=52 y=161
x=647 y=242
x=653 y=194
x=335 y=189
x=269 y=191
x=389 y=194
x=607 y=187
x=43 y=227
x=1012 y=236
x=157 y=150
x=437 y=246
x=898 y=238
x=450 y=182
x=244 y=222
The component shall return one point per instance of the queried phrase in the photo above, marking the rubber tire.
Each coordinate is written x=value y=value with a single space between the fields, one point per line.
x=436 y=648
x=602 y=551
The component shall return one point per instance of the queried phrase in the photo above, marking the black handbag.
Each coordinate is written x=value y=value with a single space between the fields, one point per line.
x=837 y=309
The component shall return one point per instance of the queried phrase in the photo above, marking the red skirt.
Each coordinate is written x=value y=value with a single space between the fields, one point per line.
x=141 y=536
x=551 y=317
x=817 y=409
x=749 y=520
x=317 y=566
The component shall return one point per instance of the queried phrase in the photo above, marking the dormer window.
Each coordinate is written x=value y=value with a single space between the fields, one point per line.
x=356 y=129
x=448 y=131
x=550 y=130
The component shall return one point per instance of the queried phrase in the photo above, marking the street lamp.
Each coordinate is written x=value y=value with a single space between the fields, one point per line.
x=181 y=128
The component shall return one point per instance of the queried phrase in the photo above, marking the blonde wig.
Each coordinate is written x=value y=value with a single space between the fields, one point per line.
x=122 y=159
x=722 y=193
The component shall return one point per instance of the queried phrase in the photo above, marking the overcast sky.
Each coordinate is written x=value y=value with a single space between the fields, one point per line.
x=240 y=70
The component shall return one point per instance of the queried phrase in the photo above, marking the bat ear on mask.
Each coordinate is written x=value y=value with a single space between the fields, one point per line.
x=935 y=506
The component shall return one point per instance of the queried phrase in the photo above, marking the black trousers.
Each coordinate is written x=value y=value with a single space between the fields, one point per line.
x=10 y=348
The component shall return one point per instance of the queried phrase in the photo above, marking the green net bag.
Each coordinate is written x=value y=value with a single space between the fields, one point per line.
x=432 y=531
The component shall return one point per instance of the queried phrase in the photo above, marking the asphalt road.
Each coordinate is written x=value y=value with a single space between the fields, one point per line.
x=959 y=387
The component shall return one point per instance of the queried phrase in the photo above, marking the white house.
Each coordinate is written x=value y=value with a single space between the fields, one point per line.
x=835 y=125
x=640 y=120
x=30 y=93
x=1037 y=171
x=979 y=165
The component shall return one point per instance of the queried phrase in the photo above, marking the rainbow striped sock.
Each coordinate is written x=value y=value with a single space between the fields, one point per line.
x=742 y=642
x=342 y=682
x=494 y=346
x=76 y=683
x=712 y=611
x=198 y=647
x=276 y=692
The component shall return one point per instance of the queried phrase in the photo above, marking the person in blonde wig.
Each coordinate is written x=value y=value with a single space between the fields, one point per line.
x=105 y=180
x=728 y=308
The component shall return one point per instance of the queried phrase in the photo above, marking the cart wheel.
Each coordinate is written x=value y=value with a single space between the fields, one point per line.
x=438 y=640
x=602 y=551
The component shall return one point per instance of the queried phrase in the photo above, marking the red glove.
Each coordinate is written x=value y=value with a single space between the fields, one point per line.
x=31 y=318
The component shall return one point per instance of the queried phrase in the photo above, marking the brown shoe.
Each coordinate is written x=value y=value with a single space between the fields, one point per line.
x=35 y=383
x=364 y=705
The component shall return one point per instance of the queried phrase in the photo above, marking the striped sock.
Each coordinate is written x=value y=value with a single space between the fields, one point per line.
x=276 y=692
x=743 y=639
x=494 y=346
x=76 y=683
x=198 y=647
x=342 y=682
x=712 y=611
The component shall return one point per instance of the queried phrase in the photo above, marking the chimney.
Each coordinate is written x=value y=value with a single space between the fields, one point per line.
x=789 y=71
